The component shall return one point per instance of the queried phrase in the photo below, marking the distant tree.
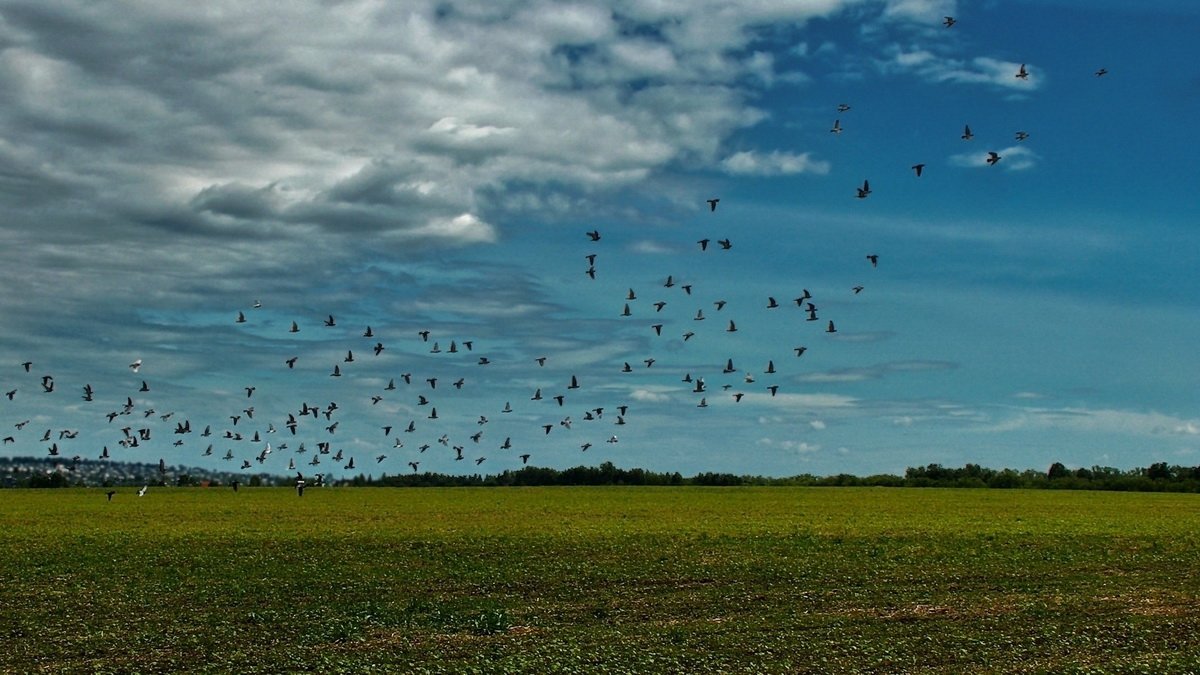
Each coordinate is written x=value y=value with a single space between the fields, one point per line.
x=1057 y=470
x=1159 y=471
x=50 y=480
x=1006 y=479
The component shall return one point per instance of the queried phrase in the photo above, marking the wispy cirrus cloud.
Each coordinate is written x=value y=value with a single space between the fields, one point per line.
x=930 y=65
x=1097 y=420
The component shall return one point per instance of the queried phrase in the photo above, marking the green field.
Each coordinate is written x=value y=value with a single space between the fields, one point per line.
x=637 y=580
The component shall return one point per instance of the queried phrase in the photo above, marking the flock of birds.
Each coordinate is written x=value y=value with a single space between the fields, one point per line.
x=305 y=434
x=254 y=439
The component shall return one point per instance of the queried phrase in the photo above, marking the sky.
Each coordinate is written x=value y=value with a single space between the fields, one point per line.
x=437 y=166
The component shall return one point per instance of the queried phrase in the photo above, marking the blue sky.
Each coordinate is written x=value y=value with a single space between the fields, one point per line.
x=435 y=167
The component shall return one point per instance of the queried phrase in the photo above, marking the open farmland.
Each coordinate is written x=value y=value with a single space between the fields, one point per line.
x=599 y=579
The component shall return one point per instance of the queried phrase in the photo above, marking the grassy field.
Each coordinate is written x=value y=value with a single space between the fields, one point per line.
x=636 y=580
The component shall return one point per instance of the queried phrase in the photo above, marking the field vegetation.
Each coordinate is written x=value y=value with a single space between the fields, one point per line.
x=599 y=579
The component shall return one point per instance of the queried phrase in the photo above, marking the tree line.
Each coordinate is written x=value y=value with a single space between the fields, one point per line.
x=1158 y=477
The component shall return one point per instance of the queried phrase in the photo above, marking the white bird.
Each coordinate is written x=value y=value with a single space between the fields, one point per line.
x=135 y=365
x=142 y=492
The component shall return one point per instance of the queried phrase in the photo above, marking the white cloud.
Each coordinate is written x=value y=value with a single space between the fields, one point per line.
x=874 y=372
x=465 y=228
x=650 y=247
x=774 y=163
x=1012 y=158
x=925 y=11
x=801 y=401
x=986 y=70
x=798 y=447
x=648 y=396
x=1106 y=421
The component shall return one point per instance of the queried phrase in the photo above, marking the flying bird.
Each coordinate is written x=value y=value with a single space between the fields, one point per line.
x=918 y=168
x=1021 y=135
x=712 y=204
x=949 y=21
x=1022 y=74
x=967 y=135
x=992 y=158
x=864 y=190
